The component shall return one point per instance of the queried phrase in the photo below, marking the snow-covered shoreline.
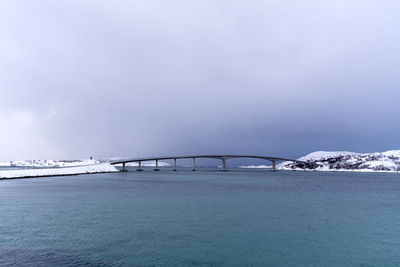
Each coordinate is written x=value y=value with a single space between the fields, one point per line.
x=63 y=171
x=319 y=170
x=344 y=161
x=48 y=163
x=329 y=161
x=255 y=167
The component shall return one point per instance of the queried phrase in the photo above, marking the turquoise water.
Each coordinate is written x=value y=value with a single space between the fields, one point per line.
x=203 y=218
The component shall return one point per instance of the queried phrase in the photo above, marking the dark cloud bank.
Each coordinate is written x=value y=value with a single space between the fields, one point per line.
x=138 y=78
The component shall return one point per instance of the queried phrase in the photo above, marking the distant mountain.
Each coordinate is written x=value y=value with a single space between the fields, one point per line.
x=344 y=160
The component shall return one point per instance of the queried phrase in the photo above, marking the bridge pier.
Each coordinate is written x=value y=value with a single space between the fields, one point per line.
x=174 y=165
x=123 y=168
x=156 y=168
x=139 y=169
x=194 y=164
x=274 y=165
x=224 y=165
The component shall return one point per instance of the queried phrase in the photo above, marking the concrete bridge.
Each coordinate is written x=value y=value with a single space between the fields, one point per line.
x=223 y=158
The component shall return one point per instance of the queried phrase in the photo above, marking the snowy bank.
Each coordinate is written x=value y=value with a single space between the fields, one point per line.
x=255 y=167
x=48 y=163
x=388 y=161
x=322 y=155
x=25 y=173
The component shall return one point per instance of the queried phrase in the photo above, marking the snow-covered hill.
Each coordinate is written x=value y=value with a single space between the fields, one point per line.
x=344 y=160
x=48 y=163
x=37 y=168
x=57 y=171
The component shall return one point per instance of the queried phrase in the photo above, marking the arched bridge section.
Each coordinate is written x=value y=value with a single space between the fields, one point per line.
x=223 y=158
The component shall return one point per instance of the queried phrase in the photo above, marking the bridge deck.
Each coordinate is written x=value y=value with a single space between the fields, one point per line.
x=204 y=156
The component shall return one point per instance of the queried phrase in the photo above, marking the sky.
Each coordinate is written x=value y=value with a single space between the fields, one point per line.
x=145 y=78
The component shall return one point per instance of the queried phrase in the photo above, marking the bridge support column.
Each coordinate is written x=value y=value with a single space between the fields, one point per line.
x=224 y=165
x=156 y=168
x=194 y=164
x=123 y=168
x=274 y=166
x=139 y=169
x=174 y=165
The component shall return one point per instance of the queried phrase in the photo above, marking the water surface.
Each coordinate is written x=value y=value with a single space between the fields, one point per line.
x=203 y=218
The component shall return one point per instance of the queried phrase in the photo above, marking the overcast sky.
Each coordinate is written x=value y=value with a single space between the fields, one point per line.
x=139 y=78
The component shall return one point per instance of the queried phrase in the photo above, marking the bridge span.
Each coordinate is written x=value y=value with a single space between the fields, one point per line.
x=223 y=158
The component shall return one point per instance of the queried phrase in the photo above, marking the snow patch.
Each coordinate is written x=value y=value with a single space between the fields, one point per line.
x=22 y=173
x=388 y=161
x=321 y=155
x=255 y=167
x=48 y=163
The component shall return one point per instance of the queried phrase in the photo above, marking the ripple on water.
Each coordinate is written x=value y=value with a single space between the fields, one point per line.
x=44 y=257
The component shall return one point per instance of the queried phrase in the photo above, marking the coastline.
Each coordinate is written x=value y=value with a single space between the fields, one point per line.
x=322 y=170
x=55 y=175
x=49 y=172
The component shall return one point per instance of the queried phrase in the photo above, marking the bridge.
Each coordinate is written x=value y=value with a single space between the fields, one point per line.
x=223 y=158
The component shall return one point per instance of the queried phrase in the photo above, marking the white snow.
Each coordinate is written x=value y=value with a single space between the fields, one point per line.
x=255 y=167
x=379 y=165
x=94 y=168
x=392 y=153
x=47 y=163
x=388 y=161
x=320 y=155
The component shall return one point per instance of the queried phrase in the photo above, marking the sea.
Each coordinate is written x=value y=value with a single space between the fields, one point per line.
x=242 y=217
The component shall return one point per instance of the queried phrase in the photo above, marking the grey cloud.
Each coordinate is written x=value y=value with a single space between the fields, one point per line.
x=130 y=78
